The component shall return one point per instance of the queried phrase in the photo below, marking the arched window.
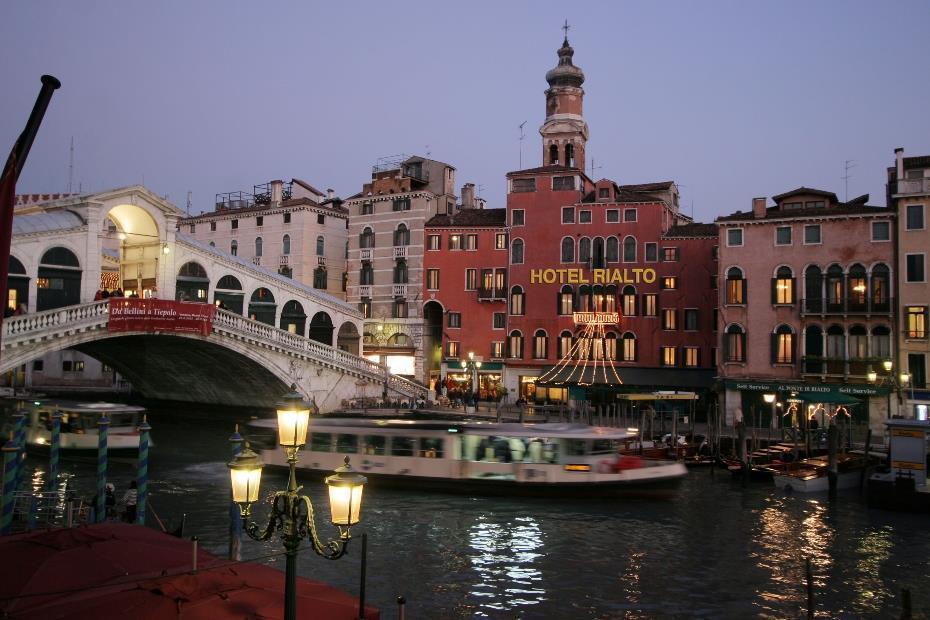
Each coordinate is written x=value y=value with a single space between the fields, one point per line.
x=880 y=289
x=783 y=345
x=566 y=301
x=568 y=250
x=783 y=286
x=736 y=286
x=629 y=249
x=836 y=343
x=286 y=244
x=813 y=349
x=858 y=343
x=856 y=288
x=540 y=345
x=366 y=275
x=735 y=344
x=584 y=298
x=610 y=347
x=553 y=155
x=234 y=247
x=584 y=250
x=565 y=343
x=517 y=300
x=613 y=250
x=629 y=347
x=402 y=235
x=516 y=252
x=258 y=246
x=319 y=278
x=813 y=289
x=629 y=300
x=320 y=246
x=366 y=240
x=400 y=272
x=881 y=342
x=835 y=288
x=597 y=253
x=570 y=155
x=515 y=345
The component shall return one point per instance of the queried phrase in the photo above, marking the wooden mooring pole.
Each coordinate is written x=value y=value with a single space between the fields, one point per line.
x=832 y=470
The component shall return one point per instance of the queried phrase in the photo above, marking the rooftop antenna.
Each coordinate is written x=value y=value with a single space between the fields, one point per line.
x=521 y=144
x=71 y=166
x=189 y=195
x=480 y=189
x=848 y=165
x=427 y=151
x=593 y=167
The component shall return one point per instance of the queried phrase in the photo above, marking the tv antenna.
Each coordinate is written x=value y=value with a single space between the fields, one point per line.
x=189 y=196
x=428 y=153
x=71 y=166
x=847 y=166
x=593 y=167
x=521 y=144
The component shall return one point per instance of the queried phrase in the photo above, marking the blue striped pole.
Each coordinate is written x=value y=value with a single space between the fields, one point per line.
x=101 y=508
x=19 y=436
x=142 y=475
x=235 y=517
x=10 y=450
x=53 y=453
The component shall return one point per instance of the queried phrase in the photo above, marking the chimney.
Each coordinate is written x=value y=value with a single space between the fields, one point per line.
x=899 y=162
x=330 y=194
x=758 y=208
x=468 y=196
x=276 y=192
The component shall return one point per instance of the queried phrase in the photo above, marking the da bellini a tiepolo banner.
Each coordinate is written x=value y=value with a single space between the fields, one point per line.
x=160 y=315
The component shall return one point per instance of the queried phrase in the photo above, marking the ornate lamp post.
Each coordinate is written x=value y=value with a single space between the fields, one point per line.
x=472 y=366
x=894 y=383
x=770 y=399
x=291 y=512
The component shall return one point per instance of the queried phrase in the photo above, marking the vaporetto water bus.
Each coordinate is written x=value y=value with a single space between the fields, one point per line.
x=478 y=457
x=79 y=428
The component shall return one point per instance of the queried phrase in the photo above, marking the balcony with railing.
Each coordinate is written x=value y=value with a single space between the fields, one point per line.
x=321 y=261
x=284 y=260
x=364 y=291
x=837 y=367
x=257 y=260
x=906 y=187
x=857 y=306
x=400 y=251
x=365 y=254
x=492 y=294
x=399 y=290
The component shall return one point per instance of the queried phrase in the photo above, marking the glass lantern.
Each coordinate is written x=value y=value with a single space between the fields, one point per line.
x=293 y=420
x=345 y=495
x=245 y=472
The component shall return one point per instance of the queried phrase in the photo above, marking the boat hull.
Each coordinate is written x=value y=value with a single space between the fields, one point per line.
x=817 y=484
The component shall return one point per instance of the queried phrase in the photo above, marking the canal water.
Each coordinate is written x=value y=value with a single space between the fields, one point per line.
x=716 y=550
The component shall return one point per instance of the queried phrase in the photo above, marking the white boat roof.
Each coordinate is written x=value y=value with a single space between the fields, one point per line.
x=560 y=430
x=73 y=406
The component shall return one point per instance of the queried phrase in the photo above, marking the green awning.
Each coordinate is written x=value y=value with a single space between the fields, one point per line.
x=834 y=398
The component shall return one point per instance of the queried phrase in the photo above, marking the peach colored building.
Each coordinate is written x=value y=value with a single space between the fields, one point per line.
x=806 y=303
x=909 y=195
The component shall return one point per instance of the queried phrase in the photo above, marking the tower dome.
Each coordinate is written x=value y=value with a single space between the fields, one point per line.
x=565 y=73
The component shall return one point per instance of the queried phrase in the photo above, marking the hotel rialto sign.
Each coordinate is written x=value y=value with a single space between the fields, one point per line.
x=626 y=275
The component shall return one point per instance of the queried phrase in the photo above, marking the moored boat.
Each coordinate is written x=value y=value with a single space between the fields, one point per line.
x=810 y=475
x=78 y=438
x=479 y=457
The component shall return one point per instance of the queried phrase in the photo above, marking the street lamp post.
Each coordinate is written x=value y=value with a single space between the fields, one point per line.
x=472 y=365
x=896 y=383
x=770 y=399
x=291 y=512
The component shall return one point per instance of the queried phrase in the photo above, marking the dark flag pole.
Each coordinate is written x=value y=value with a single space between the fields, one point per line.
x=14 y=165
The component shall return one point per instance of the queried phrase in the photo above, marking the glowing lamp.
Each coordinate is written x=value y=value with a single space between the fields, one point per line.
x=905 y=378
x=769 y=398
x=293 y=420
x=345 y=495
x=245 y=472
x=887 y=365
x=871 y=375
x=165 y=249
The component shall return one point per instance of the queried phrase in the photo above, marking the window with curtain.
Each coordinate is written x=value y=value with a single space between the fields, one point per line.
x=565 y=343
x=735 y=344
x=783 y=286
x=540 y=345
x=517 y=300
x=783 y=342
x=629 y=347
x=736 y=286
x=515 y=345
x=566 y=301
x=629 y=301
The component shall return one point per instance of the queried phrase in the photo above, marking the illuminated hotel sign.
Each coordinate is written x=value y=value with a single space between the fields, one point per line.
x=596 y=318
x=626 y=275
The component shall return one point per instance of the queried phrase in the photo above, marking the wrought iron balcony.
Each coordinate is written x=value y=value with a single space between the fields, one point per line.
x=839 y=367
x=365 y=254
x=364 y=291
x=856 y=306
x=321 y=261
x=257 y=260
x=491 y=294
x=284 y=259
x=400 y=251
x=399 y=290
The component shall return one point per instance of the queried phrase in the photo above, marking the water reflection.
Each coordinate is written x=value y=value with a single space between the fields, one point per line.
x=503 y=557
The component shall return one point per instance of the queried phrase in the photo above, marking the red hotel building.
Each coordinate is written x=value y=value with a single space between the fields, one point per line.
x=575 y=245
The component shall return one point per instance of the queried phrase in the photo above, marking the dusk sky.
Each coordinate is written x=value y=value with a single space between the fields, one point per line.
x=730 y=99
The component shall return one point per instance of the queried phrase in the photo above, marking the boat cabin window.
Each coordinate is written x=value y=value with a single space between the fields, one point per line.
x=374 y=444
x=402 y=446
x=604 y=446
x=346 y=444
x=431 y=447
x=321 y=442
x=576 y=447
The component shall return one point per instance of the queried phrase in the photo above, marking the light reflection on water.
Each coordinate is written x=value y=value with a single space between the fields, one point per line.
x=715 y=551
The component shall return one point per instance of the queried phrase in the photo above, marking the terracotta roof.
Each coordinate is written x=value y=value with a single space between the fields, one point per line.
x=308 y=187
x=692 y=230
x=776 y=213
x=622 y=196
x=648 y=187
x=470 y=217
x=805 y=190
x=550 y=168
x=255 y=209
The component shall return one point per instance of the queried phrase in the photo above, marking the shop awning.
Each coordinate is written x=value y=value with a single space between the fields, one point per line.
x=834 y=398
x=632 y=379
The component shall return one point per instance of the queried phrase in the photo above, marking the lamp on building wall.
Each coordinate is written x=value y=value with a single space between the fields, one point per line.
x=292 y=513
x=896 y=383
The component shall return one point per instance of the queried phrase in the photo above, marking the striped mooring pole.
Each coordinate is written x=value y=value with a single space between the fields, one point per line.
x=10 y=451
x=53 y=452
x=19 y=436
x=103 y=424
x=235 y=517
x=142 y=475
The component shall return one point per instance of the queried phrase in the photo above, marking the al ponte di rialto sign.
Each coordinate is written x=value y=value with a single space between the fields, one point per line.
x=626 y=275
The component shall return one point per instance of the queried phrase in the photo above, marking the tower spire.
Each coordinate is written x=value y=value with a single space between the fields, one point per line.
x=564 y=132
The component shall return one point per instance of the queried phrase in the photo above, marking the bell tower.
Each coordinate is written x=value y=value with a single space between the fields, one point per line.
x=564 y=131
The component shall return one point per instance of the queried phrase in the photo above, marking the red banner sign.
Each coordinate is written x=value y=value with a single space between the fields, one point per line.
x=128 y=314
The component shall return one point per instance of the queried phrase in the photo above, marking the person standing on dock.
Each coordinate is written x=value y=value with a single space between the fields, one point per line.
x=130 y=499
